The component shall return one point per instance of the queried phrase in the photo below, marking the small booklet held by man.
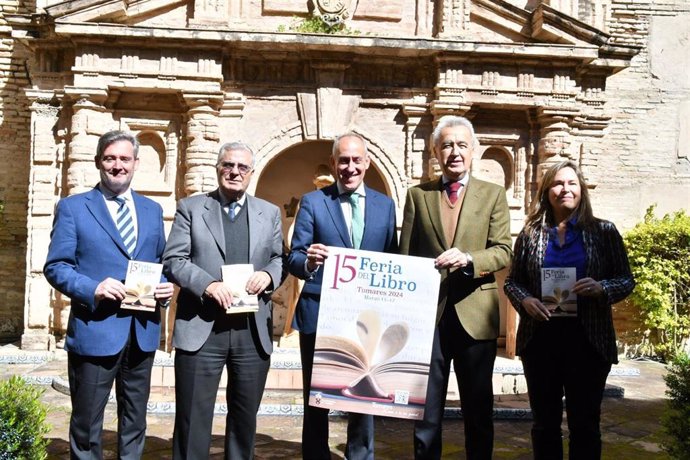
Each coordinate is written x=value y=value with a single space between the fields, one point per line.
x=235 y=277
x=140 y=285
x=557 y=290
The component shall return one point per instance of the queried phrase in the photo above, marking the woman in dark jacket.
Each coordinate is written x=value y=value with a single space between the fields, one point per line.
x=567 y=354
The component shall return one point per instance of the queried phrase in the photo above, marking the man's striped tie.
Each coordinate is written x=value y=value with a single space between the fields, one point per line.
x=125 y=225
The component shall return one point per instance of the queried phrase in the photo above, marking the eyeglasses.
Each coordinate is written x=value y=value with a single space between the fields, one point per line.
x=228 y=166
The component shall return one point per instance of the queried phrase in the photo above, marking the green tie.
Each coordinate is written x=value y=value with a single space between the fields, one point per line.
x=357 y=220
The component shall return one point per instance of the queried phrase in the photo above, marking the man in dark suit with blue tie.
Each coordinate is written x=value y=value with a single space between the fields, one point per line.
x=95 y=234
x=333 y=216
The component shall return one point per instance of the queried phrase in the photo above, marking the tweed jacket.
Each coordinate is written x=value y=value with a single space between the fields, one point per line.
x=606 y=262
x=483 y=230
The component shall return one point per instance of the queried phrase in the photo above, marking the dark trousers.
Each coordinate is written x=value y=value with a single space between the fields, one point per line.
x=360 y=427
x=473 y=362
x=559 y=360
x=197 y=376
x=90 y=381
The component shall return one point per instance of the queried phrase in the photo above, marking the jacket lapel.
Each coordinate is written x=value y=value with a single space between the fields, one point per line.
x=433 y=207
x=96 y=206
x=332 y=204
x=256 y=224
x=213 y=216
x=144 y=213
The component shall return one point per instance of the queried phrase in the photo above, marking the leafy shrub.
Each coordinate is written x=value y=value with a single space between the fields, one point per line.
x=315 y=25
x=659 y=253
x=676 y=419
x=22 y=421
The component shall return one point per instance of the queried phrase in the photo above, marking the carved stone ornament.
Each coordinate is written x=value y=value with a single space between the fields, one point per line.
x=334 y=12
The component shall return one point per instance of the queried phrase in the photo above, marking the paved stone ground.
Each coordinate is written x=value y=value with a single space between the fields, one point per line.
x=631 y=426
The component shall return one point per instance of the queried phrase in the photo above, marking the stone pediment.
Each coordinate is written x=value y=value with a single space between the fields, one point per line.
x=487 y=21
x=503 y=21
x=113 y=11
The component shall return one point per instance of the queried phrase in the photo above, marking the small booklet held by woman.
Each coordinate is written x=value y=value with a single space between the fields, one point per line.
x=557 y=290
x=235 y=277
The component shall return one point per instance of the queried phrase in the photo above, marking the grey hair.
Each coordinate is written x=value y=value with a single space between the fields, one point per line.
x=336 y=142
x=450 y=121
x=236 y=145
x=109 y=138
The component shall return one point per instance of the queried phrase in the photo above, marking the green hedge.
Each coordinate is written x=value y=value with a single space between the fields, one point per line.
x=659 y=253
x=676 y=420
x=22 y=421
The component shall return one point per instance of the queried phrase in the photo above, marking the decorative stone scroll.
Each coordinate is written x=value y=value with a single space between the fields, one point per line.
x=334 y=12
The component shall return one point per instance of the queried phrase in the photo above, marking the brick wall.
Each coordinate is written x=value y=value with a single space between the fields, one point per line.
x=14 y=155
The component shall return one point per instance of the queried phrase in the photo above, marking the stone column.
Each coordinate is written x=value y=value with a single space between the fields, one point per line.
x=203 y=137
x=90 y=120
x=417 y=134
x=46 y=158
x=555 y=136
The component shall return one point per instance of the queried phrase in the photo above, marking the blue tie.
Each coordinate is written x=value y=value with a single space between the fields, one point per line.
x=233 y=209
x=125 y=225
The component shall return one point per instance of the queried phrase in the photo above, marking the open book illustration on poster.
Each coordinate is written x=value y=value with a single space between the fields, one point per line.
x=557 y=290
x=140 y=285
x=367 y=370
x=235 y=277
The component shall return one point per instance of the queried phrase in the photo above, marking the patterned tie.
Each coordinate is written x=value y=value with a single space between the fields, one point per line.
x=125 y=225
x=357 y=220
x=233 y=209
x=452 y=188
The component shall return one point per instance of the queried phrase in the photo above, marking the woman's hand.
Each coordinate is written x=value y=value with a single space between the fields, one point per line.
x=588 y=287
x=536 y=309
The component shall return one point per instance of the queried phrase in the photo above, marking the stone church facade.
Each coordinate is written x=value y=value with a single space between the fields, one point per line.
x=603 y=82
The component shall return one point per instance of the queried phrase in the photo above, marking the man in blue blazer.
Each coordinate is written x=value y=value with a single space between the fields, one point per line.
x=87 y=261
x=329 y=217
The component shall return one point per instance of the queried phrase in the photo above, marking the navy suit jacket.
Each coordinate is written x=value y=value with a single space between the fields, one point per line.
x=85 y=248
x=320 y=220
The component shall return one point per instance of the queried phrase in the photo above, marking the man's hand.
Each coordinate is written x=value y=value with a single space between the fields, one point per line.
x=110 y=289
x=536 y=309
x=164 y=293
x=257 y=283
x=452 y=258
x=316 y=255
x=220 y=293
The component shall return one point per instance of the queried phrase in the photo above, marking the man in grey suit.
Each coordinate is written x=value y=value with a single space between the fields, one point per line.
x=223 y=227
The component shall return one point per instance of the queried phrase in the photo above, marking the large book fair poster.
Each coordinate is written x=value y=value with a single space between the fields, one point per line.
x=375 y=332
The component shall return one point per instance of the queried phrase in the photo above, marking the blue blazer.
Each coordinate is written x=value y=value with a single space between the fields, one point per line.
x=85 y=248
x=320 y=220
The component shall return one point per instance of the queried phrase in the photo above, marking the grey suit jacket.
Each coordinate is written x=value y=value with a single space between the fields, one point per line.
x=193 y=257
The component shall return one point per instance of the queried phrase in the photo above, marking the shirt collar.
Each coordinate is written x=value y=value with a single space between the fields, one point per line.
x=224 y=200
x=465 y=179
x=359 y=190
x=127 y=195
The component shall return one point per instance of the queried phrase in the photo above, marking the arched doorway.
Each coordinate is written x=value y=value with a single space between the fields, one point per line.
x=290 y=174
x=287 y=176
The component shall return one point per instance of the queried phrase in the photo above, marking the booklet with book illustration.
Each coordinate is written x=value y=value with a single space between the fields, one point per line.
x=140 y=285
x=557 y=290
x=367 y=370
x=235 y=277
